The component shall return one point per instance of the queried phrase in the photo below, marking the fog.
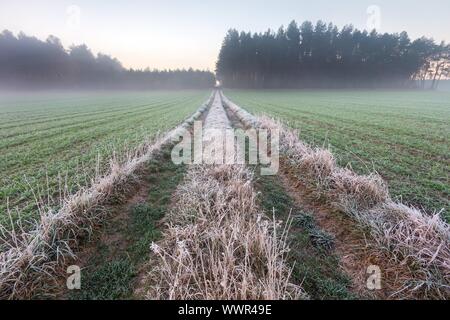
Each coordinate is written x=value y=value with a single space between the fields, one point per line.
x=29 y=63
x=320 y=55
x=300 y=56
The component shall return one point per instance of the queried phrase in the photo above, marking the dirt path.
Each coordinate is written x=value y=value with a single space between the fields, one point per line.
x=350 y=244
x=381 y=245
x=218 y=244
x=113 y=263
x=330 y=254
x=316 y=265
x=217 y=118
x=115 y=260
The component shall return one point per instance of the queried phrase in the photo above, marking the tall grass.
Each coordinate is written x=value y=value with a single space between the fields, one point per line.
x=29 y=260
x=408 y=237
x=219 y=244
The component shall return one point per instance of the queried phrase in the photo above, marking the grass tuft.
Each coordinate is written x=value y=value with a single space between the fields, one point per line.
x=218 y=244
x=29 y=259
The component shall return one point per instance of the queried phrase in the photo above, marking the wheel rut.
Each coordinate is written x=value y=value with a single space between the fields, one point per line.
x=335 y=272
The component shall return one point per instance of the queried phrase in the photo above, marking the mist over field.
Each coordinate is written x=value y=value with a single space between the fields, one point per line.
x=443 y=85
x=224 y=151
x=322 y=56
x=29 y=63
x=300 y=56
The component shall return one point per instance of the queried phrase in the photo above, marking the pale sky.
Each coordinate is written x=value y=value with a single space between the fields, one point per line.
x=177 y=34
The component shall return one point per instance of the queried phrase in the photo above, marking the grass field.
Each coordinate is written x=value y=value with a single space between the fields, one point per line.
x=59 y=136
x=402 y=135
x=213 y=214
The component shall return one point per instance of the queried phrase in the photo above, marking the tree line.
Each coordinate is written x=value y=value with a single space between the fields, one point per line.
x=321 y=55
x=27 y=62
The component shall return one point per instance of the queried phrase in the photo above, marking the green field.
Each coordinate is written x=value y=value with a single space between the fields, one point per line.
x=61 y=136
x=402 y=135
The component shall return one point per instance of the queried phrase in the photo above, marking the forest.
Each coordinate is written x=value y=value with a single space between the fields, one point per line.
x=321 y=55
x=29 y=63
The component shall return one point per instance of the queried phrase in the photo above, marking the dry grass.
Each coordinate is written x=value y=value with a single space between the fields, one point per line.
x=30 y=260
x=219 y=245
x=316 y=167
x=416 y=240
x=245 y=117
x=412 y=238
x=360 y=192
x=408 y=237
